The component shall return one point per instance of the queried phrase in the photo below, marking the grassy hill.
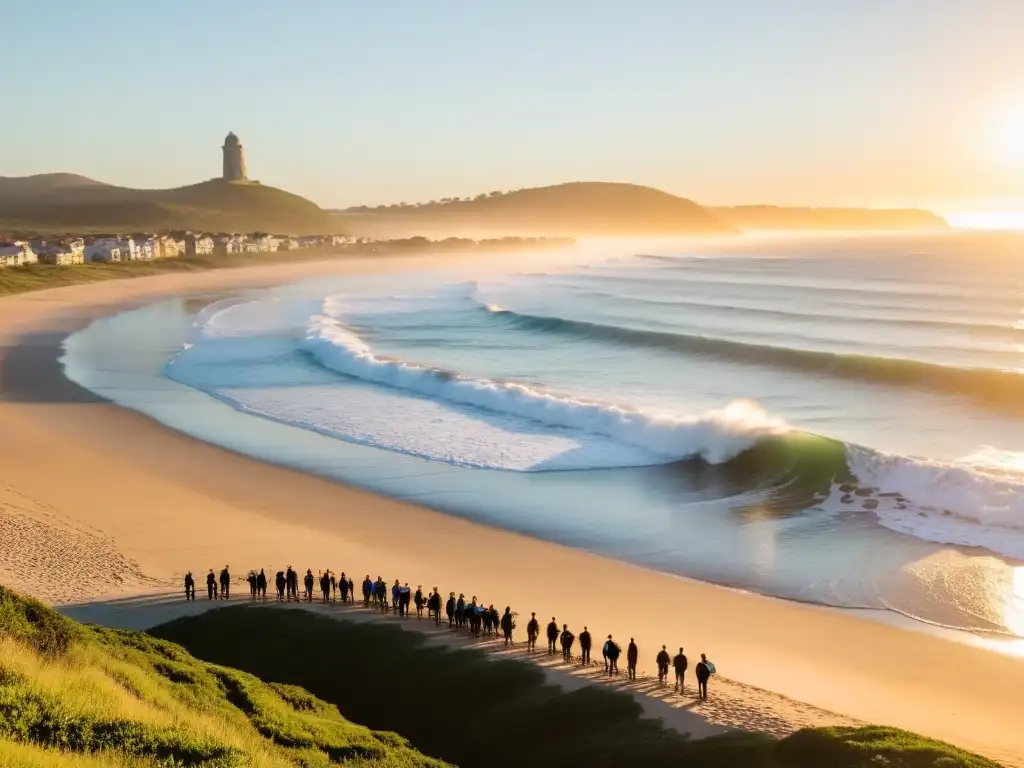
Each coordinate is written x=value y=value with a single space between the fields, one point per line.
x=577 y=209
x=465 y=707
x=73 y=696
x=774 y=217
x=64 y=202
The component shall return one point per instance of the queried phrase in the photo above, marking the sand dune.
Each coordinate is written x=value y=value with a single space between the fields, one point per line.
x=97 y=502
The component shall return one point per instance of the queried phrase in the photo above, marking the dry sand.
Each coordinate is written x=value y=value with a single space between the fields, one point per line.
x=88 y=490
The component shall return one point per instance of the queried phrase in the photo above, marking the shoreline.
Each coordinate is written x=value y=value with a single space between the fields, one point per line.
x=179 y=503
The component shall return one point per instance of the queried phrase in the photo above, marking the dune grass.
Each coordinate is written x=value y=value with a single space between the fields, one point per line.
x=73 y=695
x=468 y=708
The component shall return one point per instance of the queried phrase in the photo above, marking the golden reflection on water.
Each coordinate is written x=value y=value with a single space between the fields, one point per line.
x=1013 y=616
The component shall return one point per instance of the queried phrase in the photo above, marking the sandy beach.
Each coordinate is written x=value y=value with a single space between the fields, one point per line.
x=99 y=504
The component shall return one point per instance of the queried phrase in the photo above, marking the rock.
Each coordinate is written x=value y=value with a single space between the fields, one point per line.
x=870 y=504
x=847 y=499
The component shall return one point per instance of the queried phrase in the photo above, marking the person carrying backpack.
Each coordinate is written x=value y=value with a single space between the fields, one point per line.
x=705 y=669
x=612 y=650
x=662 y=660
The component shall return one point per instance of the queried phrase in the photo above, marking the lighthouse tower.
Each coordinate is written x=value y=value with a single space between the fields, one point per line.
x=234 y=159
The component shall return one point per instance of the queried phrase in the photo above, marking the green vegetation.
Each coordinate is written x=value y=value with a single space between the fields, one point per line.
x=75 y=696
x=67 y=203
x=467 y=708
x=579 y=209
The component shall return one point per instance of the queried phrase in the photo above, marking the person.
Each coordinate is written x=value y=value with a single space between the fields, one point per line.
x=604 y=653
x=434 y=607
x=225 y=583
x=662 y=660
x=507 y=625
x=449 y=609
x=382 y=595
x=343 y=585
x=325 y=587
x=395 y=596
x=487 y=619
x=532 y=630
x=613 y=656
x=292 y=579
x=261 y=585
x=568 y=638
x=552 y=636
x=404 y=599
x=190 y=587
x=460 y=611
x=585 y=649
x=632 y=656
x=251 y=581
x=704 y=671
x=475 y=616
x=419 y=600
x=367 y=591
x=352 y=588
x=495 y=618
x=307 y=582
x=211 y=585
x=679 y=663
x=280 y=582
x=334 y=588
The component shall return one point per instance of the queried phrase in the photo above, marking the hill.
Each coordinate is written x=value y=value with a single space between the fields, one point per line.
x=74 y=696
x=577 y=209
x=64 y=202
x=751 y=217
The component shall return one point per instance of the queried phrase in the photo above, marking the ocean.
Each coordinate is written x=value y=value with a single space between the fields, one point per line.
x=830 y=419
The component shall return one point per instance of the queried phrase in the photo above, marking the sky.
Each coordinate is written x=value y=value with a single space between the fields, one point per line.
x=790 y=102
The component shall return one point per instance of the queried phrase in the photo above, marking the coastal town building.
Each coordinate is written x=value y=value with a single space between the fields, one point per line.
x=17 y=254
x=234 y=159
x=103 y=249
x=198 y=245
x=169 y=247
x=63 y=253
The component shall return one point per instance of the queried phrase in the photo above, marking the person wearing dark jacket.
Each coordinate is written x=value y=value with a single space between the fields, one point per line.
x=419 y=600
x=460 y=611
x=291 y=578
x=449 y=609
x=552 y=636
x=585 y=647
x=382 y=595
x=343 y=586
x=308 y=582
x=281 y=583
x=325 y=587
x=211 y=585
x=434 y=607
x=190 y=587
x=225 y=583
x=612 y=650
x=367 y=591
x=261 y=584
x=703 y=675
x=680 y=663
x=334 y=588
x=532 y=630
x=662 y=660
x=567 y=638
x=632 y=656
x=507 y=625
x=251 y=581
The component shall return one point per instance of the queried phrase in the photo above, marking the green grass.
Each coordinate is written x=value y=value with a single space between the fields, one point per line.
x=465 y=707
x=84 y=696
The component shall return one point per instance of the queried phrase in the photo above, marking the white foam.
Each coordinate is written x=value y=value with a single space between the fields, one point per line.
x=715 y=436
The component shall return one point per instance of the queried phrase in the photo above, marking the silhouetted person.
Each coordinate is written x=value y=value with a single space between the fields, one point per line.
x=434 y=607
x=632 y=656
x=585 y=648
x=449 y=609
x=532 y=630
x=404 y=599
x=251 y=581
x=382 y=595
x=395 y=596
x=704 y=670
x=367 y=591
x=507 y=625
x=460 y=611
x=352 y=588
x=662 y=660
x=225 y=583
x=261 y=584
x=281 y=583
x=488 y=620
x=568 y=638
x=190 y=587
x=325 y=587
x=211 y=585
x=613 y=651
x=552 y=636
x=419 y=601
x=343 y=585
x=307 y=582
x=292 y=578
x=680 y=663
x=475 y=616
x=495 y=618
x=334 y=588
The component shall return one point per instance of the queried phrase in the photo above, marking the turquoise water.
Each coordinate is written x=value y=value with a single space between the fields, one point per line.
x=837 y=420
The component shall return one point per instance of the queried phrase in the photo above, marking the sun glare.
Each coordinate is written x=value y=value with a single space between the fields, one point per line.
x=1008 y=135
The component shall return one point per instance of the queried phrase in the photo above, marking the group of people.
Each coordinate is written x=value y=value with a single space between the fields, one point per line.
x=462 y=615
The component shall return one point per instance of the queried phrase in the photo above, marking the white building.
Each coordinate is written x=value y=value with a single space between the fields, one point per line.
x=198 y=245
x=169 y=247
x=62 y=254
x=17 y=254
x=139 y=248
x=103 y=249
